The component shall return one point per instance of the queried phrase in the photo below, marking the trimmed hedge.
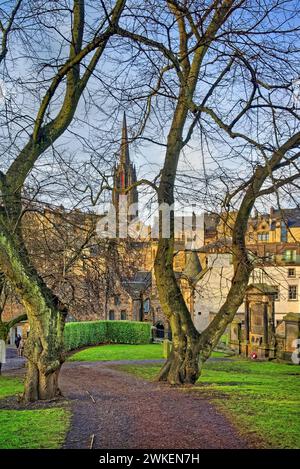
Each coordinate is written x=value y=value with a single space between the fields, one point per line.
x=79 y=334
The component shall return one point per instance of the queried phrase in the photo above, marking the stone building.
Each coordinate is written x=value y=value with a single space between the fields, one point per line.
x=214 y=284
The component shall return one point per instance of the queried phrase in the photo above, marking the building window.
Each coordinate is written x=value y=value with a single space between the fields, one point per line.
x=111 y=315
x=283 y=236
x=123 y=315
x=293 y=293
x=146 y=306
x=263 y=236
x=117 y=300
x=292 y=272
x=290 y=255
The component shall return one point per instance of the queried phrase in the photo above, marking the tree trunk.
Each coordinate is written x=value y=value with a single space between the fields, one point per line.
x=46 y=315
x=182 y=364
x=44 y=352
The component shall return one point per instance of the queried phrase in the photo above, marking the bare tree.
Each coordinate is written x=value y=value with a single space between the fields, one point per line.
x=79 y=267
x=67 y=75
x=222 y=72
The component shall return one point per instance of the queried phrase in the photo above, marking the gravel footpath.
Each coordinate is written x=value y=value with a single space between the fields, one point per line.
x=112 y=409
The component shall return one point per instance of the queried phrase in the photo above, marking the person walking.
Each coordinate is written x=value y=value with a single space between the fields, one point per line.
x=21 y=348
x=17 y=340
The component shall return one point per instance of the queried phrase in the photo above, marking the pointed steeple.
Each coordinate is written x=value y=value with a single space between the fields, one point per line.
x=124 y=174
x=124 y=154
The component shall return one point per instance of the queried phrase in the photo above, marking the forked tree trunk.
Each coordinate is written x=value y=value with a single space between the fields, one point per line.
x=191 y=349
x=182 y=366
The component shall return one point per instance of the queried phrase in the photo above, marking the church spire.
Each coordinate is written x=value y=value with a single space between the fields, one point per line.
x=124 y=154
x=124 y=174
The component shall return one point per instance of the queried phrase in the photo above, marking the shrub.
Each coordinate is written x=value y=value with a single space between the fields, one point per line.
x=128 y=332
x=79 y=334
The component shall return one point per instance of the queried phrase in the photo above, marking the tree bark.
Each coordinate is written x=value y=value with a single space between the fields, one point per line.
x=44 y=351
x=182 y=366
x=6 y=326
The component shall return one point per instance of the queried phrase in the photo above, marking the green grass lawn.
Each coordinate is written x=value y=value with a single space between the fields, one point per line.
x=42 y=428
x=113 y=352
x=22 y=429
x=119 y=352
x=261 y=398
x=10 y=386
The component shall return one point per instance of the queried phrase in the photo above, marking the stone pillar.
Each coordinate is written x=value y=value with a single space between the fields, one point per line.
x=266 y=323
x=235 y=337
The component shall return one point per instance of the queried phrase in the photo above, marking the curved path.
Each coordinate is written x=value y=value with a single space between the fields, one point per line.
x=112 y=409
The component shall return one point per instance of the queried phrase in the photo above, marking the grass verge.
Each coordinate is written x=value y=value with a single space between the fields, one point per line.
x=261 y=398
x=10 y=386
x=43 y=428
x=115 y=352
x=35 y=428
x=119 y=352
